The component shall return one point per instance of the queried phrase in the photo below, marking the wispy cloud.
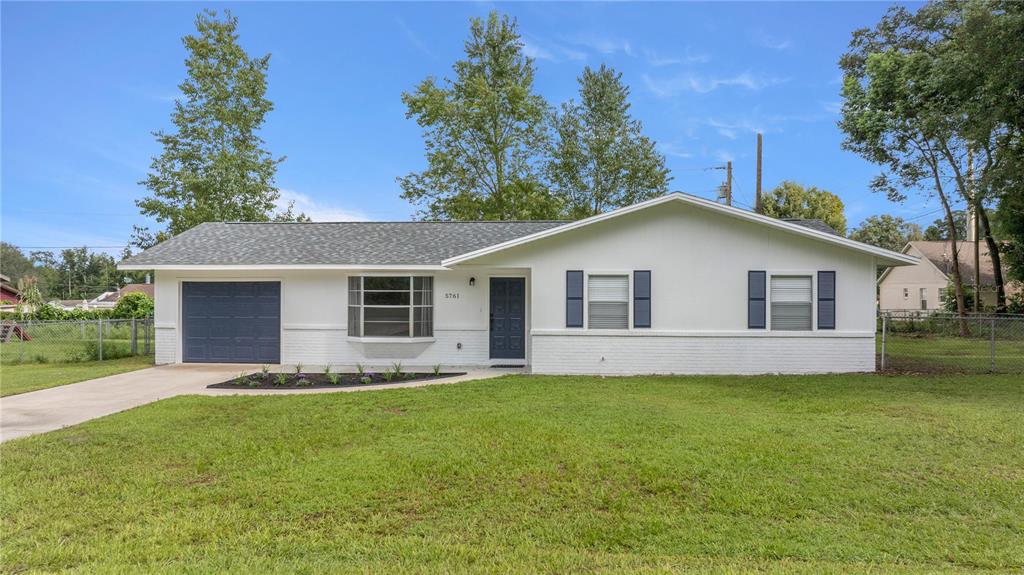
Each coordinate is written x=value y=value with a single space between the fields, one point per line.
x=766 y=40
x=657 y=59
x=414 y=38
x=551 y=51
x=674 y=150
x=833 y=107
x=690 y=82
x=724 y=156
x=162 y=95
x=317 y=211
x=603 y=44
x=732 y=129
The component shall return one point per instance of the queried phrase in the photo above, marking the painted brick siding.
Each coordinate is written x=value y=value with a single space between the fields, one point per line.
x=663 y=354
x=166 y=340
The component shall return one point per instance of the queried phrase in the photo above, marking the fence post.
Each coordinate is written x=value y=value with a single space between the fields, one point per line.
x=992 y=343
x=885 y=325
x=135 y=339
x=99 y=335
x=146 y=326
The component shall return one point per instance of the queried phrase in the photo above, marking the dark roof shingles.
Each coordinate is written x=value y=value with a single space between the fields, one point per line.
x=339 y=243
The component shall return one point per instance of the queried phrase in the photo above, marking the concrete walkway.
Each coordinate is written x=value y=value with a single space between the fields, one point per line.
x=57 y=407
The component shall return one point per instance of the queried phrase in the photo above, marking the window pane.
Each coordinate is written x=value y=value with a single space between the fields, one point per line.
x=608 y=305
x=608 y=315
x=387 y=329
x=423 y=321
x=353 y=290
x=353 y=321
x=423 y=283
x=386 y=314
x=386 y=298
x=791 y=303
x=386 y=283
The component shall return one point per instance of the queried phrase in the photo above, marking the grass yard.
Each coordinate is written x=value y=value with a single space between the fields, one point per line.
x=832 y=474
x=20 y=378
x=929 y=353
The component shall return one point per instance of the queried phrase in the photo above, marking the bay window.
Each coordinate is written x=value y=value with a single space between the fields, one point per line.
x=390 y=306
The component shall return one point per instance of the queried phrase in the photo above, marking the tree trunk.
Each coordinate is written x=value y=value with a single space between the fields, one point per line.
x=958 y=283
x=993 y=250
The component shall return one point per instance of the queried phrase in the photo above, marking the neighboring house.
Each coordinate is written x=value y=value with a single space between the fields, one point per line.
x=922 y=287
x=677 y=284
x=110 y=299
x=69 y=304
x=8 y=293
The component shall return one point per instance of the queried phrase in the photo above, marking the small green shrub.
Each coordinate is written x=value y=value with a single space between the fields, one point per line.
x=303 y=382
x=281 y=379
x=334 y=378
x=298 y=368
x=437 y=369
x=241 y=379
x=365 y=380
x=327 y=370
x=397 y=368
x=133 y=305
x=360 y=369
x=388 y=375
x=265 y=370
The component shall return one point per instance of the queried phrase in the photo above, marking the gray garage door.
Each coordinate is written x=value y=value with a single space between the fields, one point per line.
x=231 y=322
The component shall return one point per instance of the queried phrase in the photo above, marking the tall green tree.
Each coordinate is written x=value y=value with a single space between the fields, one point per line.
x=483 y=130
x=939 y=230
x=76 y=273
x=600 y=159
x=793 y=200
x=214 y=165
x=885 y=231
x=16 y=265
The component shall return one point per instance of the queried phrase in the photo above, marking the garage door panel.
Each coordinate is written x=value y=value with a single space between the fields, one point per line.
x=232 y=322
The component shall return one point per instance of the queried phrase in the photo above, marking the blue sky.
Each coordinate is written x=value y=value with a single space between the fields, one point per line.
x=84 y=84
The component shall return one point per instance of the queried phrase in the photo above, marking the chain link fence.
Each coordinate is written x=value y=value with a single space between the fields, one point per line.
x=33 y=341
x=947 y=343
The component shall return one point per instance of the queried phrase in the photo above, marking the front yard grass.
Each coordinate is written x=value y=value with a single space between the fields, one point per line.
x=815 y=474
x=24 y=377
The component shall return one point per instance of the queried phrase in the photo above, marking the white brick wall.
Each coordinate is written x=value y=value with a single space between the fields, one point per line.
x=634 y=354
x=166 y=340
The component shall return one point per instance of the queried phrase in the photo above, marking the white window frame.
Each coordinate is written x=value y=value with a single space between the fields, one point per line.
x=628 y=274
x=813 y=275
x=412 y=305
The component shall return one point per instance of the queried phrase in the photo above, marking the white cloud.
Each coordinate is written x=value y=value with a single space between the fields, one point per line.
x=414 y=38
x=532 y=50
x=603 y=44
x=668 y=87
x=540 y=50
x=832 y=107
x=670 y=149
x=765 y=40
x=657 y=59
x=318 y=212
x=724 y=156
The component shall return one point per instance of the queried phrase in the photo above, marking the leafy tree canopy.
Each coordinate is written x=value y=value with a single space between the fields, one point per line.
x=939 y=230
x=484 y=130
x=793 y=200
x=213 y=166
x=885 y=231
x=601 y=160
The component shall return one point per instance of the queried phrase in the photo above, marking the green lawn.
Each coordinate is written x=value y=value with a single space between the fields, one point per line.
x=930 y=353
x=830 y=474
x=19 y=378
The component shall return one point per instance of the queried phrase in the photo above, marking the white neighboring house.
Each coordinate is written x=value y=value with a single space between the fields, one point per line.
x=106 y=300
x=922 y=287
x=677 y=284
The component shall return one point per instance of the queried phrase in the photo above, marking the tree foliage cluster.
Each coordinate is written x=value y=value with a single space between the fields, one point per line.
x=934 y=97
x=495 y=149
x=68 y=274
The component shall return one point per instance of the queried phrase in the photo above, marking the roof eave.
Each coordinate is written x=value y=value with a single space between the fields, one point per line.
x=276 y=267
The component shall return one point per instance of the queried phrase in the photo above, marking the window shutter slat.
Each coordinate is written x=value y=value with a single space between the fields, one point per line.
x=574 y=298
x=791 y=303
x=642 y=298
x=756 y=291
x=827 y=300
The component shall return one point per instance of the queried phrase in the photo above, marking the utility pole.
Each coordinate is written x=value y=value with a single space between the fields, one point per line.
x=725 y=190
x=757 y=194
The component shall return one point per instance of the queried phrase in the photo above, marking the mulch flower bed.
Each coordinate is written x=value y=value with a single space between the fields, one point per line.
x=322 y=380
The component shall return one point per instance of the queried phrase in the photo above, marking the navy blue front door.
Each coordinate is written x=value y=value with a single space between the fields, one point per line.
x=508 y=318
x=231 y=322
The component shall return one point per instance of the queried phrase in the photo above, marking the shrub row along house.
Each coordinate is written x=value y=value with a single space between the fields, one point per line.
x=677 y=284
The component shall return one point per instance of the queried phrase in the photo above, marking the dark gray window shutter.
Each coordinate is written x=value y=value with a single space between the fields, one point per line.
x=826 y=300
x=756 y=299
x=642 y=298
x=574 y=298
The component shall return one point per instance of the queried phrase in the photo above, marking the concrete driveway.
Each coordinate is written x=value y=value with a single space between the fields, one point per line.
x=57 y=407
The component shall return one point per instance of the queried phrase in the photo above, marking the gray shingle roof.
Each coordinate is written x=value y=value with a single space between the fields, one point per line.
x=339 y=243
x=814 y=224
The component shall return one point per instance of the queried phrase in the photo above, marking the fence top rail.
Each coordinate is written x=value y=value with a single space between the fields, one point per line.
x=915 y=314
x=75 y=321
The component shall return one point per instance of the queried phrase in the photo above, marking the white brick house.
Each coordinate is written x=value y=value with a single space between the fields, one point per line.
x=677 y=284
